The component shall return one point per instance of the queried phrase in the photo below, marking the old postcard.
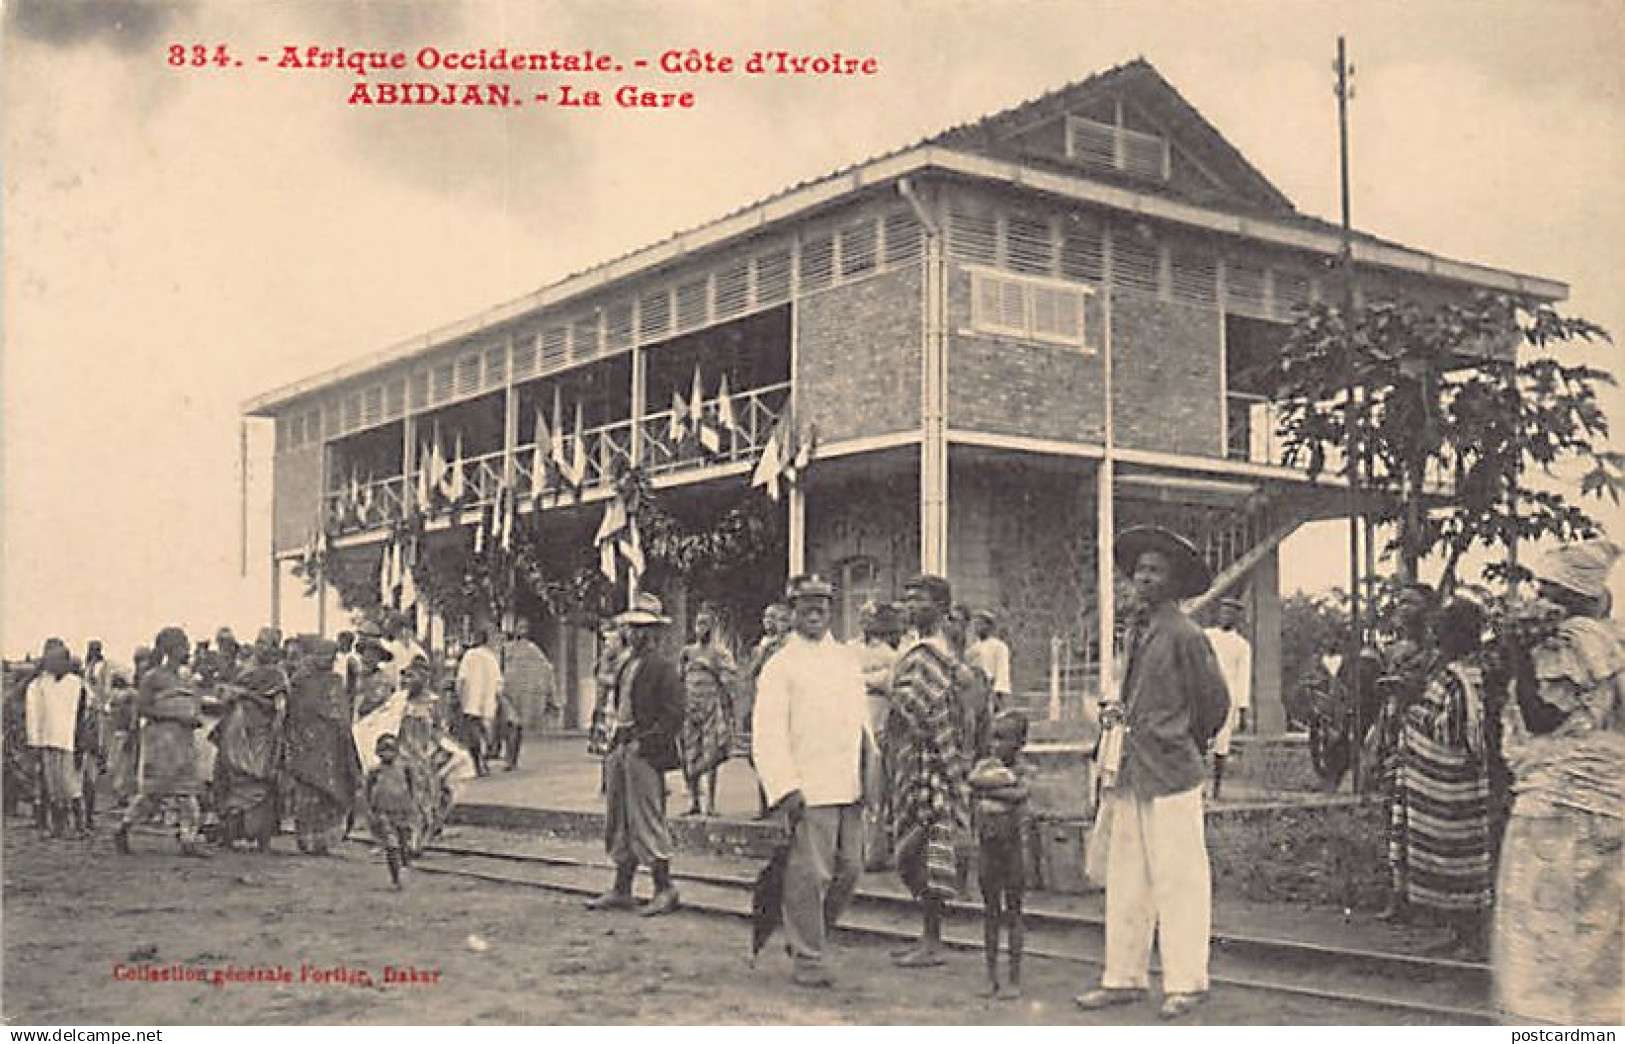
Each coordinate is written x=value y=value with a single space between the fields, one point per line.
x=838 y=513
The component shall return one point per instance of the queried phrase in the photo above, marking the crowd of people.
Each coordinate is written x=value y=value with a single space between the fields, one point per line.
x=228 y=742
x=1501 y=763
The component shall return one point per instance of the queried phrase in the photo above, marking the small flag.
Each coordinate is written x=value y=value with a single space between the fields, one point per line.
x=437 y=464
x=696 y=401
x=386 y=586
x=507 y=509
x=725 y=407
x=366 y=499
x=679 y=418
x=618 y=540
x=556 y=440
x=770 y=464
x=538 y=457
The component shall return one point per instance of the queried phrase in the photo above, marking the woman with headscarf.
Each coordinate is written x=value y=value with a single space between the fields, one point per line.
x=172 y=711
x=1559 y=951
x=321 y=761
x=1441 y=809
x=248 y=741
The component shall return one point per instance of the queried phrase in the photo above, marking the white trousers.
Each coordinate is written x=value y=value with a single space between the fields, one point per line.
x=1157 y=881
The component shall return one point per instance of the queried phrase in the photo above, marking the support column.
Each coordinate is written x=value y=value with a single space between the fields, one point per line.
x=1269 y=709
x=797 y=534
x=934 y=412
x=276 y=591
x=1106 y=514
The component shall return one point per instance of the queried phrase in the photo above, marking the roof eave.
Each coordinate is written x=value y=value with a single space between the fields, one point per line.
x=797 y=202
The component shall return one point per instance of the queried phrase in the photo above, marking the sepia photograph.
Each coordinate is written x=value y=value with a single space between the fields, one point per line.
x=852 y=513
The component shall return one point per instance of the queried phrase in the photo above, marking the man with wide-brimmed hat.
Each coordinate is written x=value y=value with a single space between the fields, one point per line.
x=812 y=736
x=648 y=714
x=1235 y=655
x=1172 y=701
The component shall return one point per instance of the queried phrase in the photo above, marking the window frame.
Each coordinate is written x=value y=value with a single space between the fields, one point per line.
x=988 y=326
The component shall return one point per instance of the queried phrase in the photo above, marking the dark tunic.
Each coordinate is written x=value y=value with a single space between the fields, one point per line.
x=1175 y=701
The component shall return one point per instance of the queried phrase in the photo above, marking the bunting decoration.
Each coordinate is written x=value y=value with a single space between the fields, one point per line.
x=437 y=464
x=455 y=486
x=725 y=408
x=538 y=457
x=678 y=428
x=618 y=541
x=365 y=501
x=561 y=463
x=574 y=469
x=784 y=458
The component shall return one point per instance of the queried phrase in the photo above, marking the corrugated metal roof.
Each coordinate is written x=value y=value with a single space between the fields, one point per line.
x=982 y=136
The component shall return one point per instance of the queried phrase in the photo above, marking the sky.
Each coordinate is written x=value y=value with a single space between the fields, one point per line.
x=176 y=241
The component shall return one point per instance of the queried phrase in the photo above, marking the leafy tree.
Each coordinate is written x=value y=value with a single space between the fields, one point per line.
x=1458 y=404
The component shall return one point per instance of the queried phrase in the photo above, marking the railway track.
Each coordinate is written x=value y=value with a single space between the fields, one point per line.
x=1432 y=991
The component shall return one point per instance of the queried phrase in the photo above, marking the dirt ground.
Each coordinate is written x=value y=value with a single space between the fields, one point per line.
x=79 y=920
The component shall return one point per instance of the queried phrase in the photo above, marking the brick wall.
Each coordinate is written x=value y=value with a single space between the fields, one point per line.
x=1021 y=543
x=297 y=497
x=1166 y=386
x=876 y=515
x=1014 y=387
x=858 y=356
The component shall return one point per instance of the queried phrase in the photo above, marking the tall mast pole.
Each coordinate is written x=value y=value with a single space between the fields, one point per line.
x=1356 y=644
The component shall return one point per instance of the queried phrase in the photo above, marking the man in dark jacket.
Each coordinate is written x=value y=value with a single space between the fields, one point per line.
x=643 y=748
x=1173 y=701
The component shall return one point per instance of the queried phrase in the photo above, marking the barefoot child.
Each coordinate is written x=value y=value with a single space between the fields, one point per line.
x=392 y=801
x=999 y=785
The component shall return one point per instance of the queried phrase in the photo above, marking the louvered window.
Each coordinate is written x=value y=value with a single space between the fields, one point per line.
x=859 y=249
x=442 y=383
x=691 y=303
x=372 y=405
x=468 y=373
x=1195 y=277
x=1031 y=309
x=902 y=235
x=524 y=355
x=496 y=365
x=1028 y=246
x=1106 y=146
x=1091 y=143
x=1244 y=288
x=1135 y=264
x=420 y=389
x=395 y=398
x=1083 y=252
x=555 y=348
x=584 y=337
x=733 y=289
x=351 y=414
x=972 y=237
x=654 y=314
x=817 y=261
x=773 y=277
x=618 y=324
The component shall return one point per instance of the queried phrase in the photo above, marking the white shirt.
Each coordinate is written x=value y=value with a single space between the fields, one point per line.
x=1235 y=657
x=479 y=680
x=812 y=723
x=993 y=657
x=51 y=709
